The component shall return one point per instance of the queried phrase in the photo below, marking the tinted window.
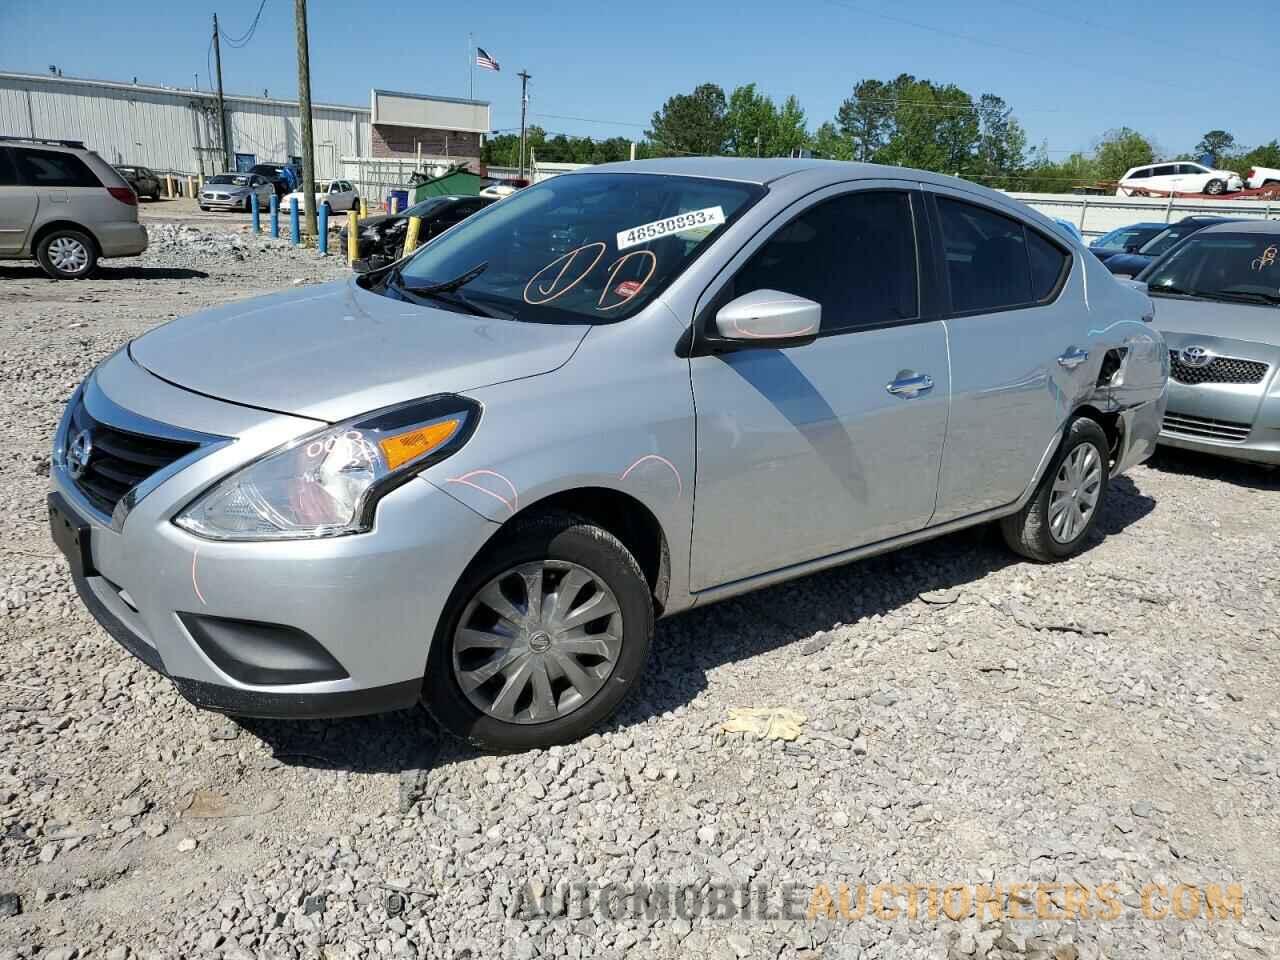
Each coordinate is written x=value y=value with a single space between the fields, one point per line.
x=45 y=168
x=1166 y=171
x=1139 y=174
x=986 y=257
x=855 y=255
x=1048 y=263
x=8 y=175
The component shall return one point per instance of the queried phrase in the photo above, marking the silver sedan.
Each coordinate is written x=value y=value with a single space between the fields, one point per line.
x=471 y=476
x=1217 y=299
x=233 y=191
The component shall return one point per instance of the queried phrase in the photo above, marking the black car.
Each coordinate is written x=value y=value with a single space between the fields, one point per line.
x=383 y=236
x=1131 y=264
x=1124 y=240
x=144 y=182
x=275 y=173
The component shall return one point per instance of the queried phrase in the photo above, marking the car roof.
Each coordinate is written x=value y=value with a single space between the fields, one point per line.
x=765 y=170
x=1244 y=226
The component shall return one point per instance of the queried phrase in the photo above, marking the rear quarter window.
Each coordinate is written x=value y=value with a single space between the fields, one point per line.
x=48 y=168
x=1049 y=264
x=8 y=173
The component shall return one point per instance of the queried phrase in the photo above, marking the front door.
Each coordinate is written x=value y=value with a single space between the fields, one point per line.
x=812 y=450
x=18 y=205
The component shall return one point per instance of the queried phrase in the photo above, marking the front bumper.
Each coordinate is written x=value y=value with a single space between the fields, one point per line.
x=229 y=203
x=368 y=603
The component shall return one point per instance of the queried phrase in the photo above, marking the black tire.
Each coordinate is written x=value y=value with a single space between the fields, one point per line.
x=554 y=537
x=1028 y=532
x=1215 y=187
x=52 y=261
x=204 y=208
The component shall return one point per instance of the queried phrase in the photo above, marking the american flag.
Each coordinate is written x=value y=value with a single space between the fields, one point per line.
x=486 y=61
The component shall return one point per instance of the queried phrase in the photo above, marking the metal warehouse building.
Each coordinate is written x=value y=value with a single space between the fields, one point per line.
x=175 y=130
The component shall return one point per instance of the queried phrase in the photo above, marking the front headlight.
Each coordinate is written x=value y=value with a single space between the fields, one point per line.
x=328 y=483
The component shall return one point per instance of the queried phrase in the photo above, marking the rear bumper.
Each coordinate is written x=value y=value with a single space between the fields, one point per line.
x=124 y=239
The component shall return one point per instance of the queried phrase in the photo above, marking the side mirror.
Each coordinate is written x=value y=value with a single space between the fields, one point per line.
x=769 y=318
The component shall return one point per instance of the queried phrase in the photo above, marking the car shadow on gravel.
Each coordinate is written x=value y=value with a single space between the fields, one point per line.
x=806 y=613
x=1205 y=466
x=106 y=272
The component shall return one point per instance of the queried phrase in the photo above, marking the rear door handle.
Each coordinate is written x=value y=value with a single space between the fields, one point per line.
x=1073 y=358
x=911 y=385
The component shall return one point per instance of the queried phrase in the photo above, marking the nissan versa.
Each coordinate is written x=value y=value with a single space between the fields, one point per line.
x=477 y=475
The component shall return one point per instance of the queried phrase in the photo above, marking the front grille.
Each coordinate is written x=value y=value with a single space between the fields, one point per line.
x=1217 y=370
x=119 y=460
x=1205 y=428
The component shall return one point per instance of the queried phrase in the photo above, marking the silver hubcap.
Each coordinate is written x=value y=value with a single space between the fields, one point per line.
x=1075 y=493
x=68 y=255
x=537 y=642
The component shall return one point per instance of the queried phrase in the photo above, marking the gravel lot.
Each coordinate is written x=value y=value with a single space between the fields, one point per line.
x=967 y=719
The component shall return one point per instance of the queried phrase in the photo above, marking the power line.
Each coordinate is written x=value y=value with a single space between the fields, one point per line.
x=244 y=39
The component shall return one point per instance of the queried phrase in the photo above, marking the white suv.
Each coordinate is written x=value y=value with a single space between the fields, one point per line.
x=1181 y=177
x=1259 y=177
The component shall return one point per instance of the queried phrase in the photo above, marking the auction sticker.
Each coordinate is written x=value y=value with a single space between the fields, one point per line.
x=701 y=221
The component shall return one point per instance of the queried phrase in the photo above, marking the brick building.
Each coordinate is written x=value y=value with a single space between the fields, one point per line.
x=408 y=125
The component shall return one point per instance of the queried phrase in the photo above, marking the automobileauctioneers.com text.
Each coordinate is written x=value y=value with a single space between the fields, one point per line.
x=883 y=901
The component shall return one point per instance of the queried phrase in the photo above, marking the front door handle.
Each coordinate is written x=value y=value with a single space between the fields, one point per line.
x=910 y=385
x=1073 y=358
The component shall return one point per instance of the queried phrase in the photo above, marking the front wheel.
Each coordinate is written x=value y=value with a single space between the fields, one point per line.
x=1215 y=187
x=1058 y=519
x=543 y=637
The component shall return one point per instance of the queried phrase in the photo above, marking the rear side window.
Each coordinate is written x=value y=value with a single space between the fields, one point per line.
x=995 y=262
x=8 y=175
x=46 y=168
x=854 y=254
x=1048 y=264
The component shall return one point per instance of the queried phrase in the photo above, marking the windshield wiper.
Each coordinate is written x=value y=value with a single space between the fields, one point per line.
x=1172 y=291
x=461 y=280
x=1247 y=296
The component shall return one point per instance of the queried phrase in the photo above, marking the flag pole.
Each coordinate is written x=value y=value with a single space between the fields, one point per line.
x=471 y=61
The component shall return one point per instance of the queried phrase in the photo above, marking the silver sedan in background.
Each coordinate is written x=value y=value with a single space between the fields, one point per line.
x=232 y=191
x=471 y=476
x=1217 y=299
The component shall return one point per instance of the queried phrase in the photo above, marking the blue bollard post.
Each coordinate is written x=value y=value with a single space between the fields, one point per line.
x=323 y=227
x=257 y=213
x=275 y=217
x=295 y=234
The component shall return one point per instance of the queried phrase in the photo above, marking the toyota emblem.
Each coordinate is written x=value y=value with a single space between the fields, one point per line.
x=78 y=454
x=1196 y=356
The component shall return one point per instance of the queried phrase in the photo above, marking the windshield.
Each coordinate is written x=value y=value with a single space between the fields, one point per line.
x=1223 y=266
x=581 y=248
x=1126 y=237
x=1165 y=240
x=237 y=180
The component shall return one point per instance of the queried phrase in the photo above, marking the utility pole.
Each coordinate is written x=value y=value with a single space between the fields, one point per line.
x=524 y=105
x=304 y=106
x=222 y=109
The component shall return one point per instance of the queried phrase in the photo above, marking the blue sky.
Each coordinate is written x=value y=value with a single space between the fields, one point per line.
x=1160 y=67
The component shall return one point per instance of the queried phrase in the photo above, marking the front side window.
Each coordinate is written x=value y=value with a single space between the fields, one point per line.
x=47 y=168
x=854 y=254
x=580 y=248
x=1242 y=267
x=1139 y=174
x=1125 y=239
x=1166 y=171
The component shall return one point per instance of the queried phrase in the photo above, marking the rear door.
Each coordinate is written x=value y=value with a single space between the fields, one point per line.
x=67 y=189
x=18 y=206
x=812 y=450
x=1019 y=348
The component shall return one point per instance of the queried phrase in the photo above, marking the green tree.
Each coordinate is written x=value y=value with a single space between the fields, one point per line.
x=1266 y=155
x=1043 y=175
x=789 y=131
x=865 y=119
x=831 y=144
x=1002 y=143
x=691 y=123
x=1216 y=143
x=750 y=121
x=1120 y=149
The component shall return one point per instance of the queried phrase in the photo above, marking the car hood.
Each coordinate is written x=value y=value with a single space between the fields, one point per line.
x=1212 y=318
x=335 y=351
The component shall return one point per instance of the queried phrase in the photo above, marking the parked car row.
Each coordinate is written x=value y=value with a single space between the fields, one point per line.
x=488 y=453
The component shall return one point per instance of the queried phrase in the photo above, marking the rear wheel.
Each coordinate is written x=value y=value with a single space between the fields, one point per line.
x=1215 y=187
x=543 y=637
x=1058 y=519
x=67 y=255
